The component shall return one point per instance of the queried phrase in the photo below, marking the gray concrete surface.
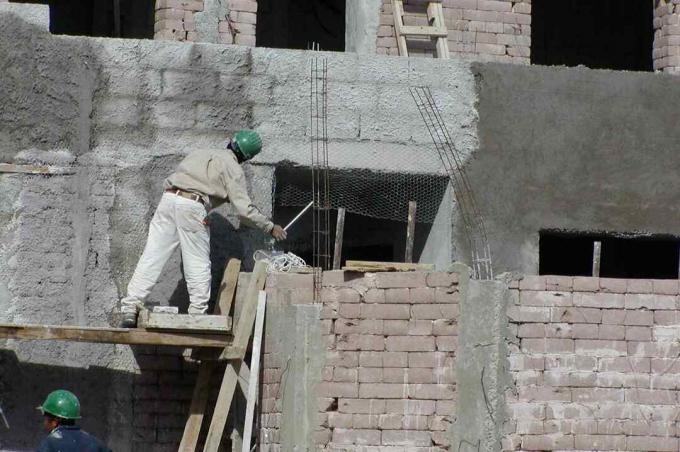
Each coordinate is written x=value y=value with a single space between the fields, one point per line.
x=362 y=18
x=480 y=365
x=38 y=15
x=208 y=20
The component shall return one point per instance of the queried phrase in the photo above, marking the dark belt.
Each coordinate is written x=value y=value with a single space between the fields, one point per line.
x=185 y=194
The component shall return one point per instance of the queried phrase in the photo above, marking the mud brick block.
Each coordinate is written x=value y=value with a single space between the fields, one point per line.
x=664 y=366
x=638 y=333
x=356 y=436
x=613 y=285
x=360 y=342
x=603 y=348
x=339 y=420
x=370 y=374
x=626 y=364
x=665 y=286
x=545 y=299
x=383 y=359
x=390 y=421
x=333 y=389
x=383 y=390
x=554 y=441
x=402 y=375
x=245 y=40
x=573 y=362
x=345 y=375
x=653 y=349
x=418 y=407
x=410 y=343
x=609 y=427
x=396 y=327
x=586 y=284
x=444 y=407
x=342 y=358
x=551 y=346
x=525 y=427
x=441 y=279
x=532 y=283
x=350 y=311
x=614 y=332
x=243 y=5
x=599 y=300
x=406 y=438
x=374 y=296
x=432 y=391
x=526 y=314
x=422 y=295
x=651 y=396
x=339 y=295
x=397 y=295
x=434 y=311
x=345 y=326
x=525 y=362
x=669 y=317
x=650 y=301
x=576 y=315
x=639 y=286
x=426 y=359
x=386 y=280
x=531 y=330
x=444 y=327
x=666 y=333
x=544 y=394
x=600 y=442
x=361 y=406
x=557 y=283
x=643 y=318
x=585 y=331
x=599 y=395
x=446 y=295
x=365 y=421
x=385 y=311
x=613 y=316
x=447 y=343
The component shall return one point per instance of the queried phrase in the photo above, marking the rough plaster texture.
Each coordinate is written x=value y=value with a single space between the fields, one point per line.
x=38 y=15
x=573 y=149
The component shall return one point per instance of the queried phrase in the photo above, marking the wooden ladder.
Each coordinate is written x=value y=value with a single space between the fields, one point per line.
x=435 y=30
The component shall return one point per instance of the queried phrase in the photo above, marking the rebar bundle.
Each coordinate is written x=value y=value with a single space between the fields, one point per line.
x=321 y=248
x=472 y=220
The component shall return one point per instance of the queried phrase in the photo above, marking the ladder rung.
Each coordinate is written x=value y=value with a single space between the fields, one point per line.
x=414 y=30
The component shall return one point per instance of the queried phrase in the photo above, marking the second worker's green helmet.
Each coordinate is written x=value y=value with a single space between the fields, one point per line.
x=61 y=403
x=248 y=143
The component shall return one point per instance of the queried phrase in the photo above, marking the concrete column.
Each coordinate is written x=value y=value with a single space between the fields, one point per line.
x=362 y=18
x=208 y=20
x=666 y=52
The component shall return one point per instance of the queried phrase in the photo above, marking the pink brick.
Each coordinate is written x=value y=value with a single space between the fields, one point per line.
x=529 y=314
x=446 y=295
x=559 y=283
x=613 y=316
x=360 y=342
x=547 y=299
x=655 y=443
x=342 y=358
x=390 y=421
x=544 y=394
x=548 y=345
x=532 y=283
x=665 y=286
x=439 y=423
x=525 y=362
x=596 y=347
x=422 y=295
x=585 y=395
x=345 y=326
x=383 y=390
x=639 y=286
x=410 y=343
x=447 y=343
x=419 y=328
x=638 y=333
x=426 y=359
x=332 y=389
x=370 y=374
x=650 y=301
x=340 y=295
x=571 y=362
x=614 y=285
x=445 y=407
x=611 y=331
x=576 y=315
x=397 y=296
x=586 y=284
x=374 y=296
x=396 y=327
x=420 y=407
x=383 y=359
x=416 y=375
x=345 y=375
x=599 y=300
x=638 y=318
x=667 y=317
x=356 y=436
x=441 y=279
x=434 y=311
x=600 y=442
x=351 y=310
x=626 y=364
x=364 y=406
x=445 y=327
x=651 y=396
x=400 y=279
x=431 y=391
x=243 y=5
x=585 y=331
x=531 y=330
x=548 y=442
x=365 y=421
x=385 y=311
x=340 y=420
x=406 y=438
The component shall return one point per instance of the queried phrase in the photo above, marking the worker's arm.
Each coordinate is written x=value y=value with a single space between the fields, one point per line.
x=235 y=181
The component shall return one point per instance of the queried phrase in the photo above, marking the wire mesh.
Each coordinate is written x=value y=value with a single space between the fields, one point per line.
x=472 y=220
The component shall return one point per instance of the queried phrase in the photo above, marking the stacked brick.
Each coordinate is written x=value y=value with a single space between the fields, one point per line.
x=239 y=26
x=595 y=365
x=480 y=30
x=161 y=394
x=175 y=19
x=388 y=382
x=666 y=51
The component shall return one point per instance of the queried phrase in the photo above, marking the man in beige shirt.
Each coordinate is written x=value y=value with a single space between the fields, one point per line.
x=203 y=180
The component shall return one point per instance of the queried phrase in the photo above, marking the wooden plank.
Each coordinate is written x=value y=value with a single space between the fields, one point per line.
x=133 y=336
x=398 y=13
x=225 y=296
x=423 y=31
x=34 y=169
x=410 y=231
x=339 y=232
x=254 y=372
x=369 y=266
x=218 y=324
x=242 y=334
x=597 y=252
x=435 y=16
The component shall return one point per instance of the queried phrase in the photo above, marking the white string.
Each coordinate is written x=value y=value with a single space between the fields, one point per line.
x=280 y=263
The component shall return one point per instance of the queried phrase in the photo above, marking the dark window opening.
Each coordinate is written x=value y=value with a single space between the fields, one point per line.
x=132 y=19
x=600 y=34
x=649 y=257
x=297 y=24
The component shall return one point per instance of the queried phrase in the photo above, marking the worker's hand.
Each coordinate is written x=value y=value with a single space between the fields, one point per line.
x=278 y=233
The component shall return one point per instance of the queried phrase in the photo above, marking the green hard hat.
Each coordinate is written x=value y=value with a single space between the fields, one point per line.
x=248 y=143
x=61 y=403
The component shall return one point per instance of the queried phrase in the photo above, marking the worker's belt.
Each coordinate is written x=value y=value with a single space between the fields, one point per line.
x=185 y=194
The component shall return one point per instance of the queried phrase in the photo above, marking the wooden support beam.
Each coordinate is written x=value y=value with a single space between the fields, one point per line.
x=254 y=372
x=339 y=233
x=34 y=169
x=369 y=266
x=225 y=296
x=133 y=336
x=597 y=253
x=410 y=231
x=218 y=324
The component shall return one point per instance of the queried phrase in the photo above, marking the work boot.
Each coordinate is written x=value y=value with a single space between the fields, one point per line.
x=129 y=320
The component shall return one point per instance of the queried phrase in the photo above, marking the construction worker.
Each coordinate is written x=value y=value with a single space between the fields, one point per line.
x=203 y=180
x=61 y=409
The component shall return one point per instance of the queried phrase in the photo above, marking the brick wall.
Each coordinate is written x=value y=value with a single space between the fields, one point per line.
x=239 y=27
x=388 y=378
x=482 y=30
x=666 y=52
x=595 y=365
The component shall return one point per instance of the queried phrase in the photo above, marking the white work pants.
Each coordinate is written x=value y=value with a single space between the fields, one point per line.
x=177 y=221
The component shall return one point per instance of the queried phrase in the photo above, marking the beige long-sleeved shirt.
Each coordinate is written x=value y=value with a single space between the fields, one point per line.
x=217 y=177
